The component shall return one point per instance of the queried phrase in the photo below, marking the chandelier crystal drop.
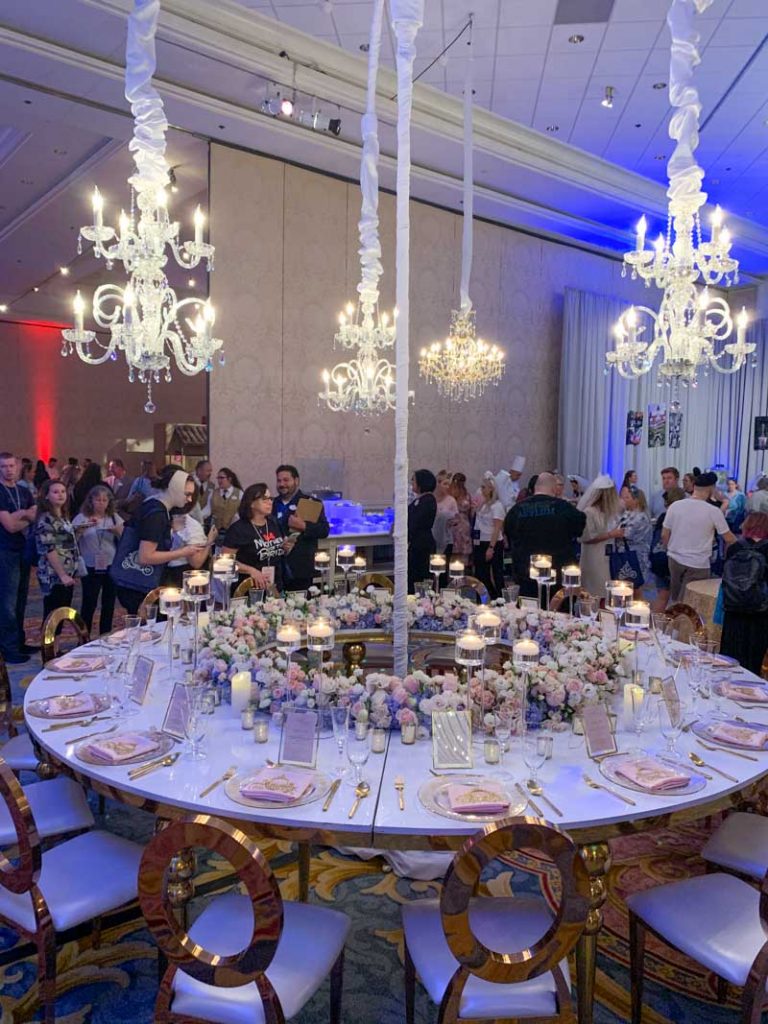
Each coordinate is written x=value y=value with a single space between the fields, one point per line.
x=462 y=366
x=690 y=328
x=144 y=317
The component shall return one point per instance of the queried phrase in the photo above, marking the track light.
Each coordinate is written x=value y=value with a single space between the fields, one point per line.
x=320 y=122
x=286 y=106
x=607 y=100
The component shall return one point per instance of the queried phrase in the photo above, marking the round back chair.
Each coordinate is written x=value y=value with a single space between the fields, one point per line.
x=52 y=631
x=472 y=587
x=375 y=579
x=248 y=584
x=685 y=621
x=152 y=598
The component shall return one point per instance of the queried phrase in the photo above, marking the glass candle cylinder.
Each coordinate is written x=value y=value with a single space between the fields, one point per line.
x=408 y=733
x=260 y=730
x=378 y=741
x=320 y=634
x=322 y=561
x=525 y=654
x=488 y=624
x=491 y=750
x=246 y=718
x=197 y=584
x=637 y=614
x=455 y=570
x=469 y=648
x=437 y=563
x=288 y=636
x=540 y=567
x=571 y=576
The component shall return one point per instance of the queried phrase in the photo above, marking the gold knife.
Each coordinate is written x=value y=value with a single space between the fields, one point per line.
x=528 y=799
x=331 y=794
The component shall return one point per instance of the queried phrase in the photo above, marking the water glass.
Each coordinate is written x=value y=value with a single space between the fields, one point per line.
x=502 y=722
x=534 y=750
x=705 y=651
x=256 y=597
x=510 y=593
x=589 y=608
x=358 y=750
x=340 y=721
x=672 y=715
x=150 y=613
x=195 y=723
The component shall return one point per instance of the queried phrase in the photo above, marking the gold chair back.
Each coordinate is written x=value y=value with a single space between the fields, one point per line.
x=375 y=579
x=476 y=588
x=250 y=964
x=685 y=621
x=248 y=584
x=559 y=596
x=50 y=635
x=23 y=875
x=6 y=701
x=152 y=598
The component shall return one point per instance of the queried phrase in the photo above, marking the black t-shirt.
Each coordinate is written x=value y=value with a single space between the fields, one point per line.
x=543 y=525
x=11 y=500
x=258 y=546
x=153 y=523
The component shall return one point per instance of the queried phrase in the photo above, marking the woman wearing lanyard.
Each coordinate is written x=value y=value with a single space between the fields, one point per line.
x=98 y=527
x=57 y=563
x=256 y=541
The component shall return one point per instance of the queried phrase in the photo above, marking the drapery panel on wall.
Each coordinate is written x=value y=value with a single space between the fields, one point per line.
x=718 y=415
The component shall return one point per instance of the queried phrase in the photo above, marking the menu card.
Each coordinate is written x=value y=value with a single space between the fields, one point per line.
x=175 y=717
x=299 y=737
x=670 y=696
x=142 y=673
x=597 y=731
x=610 y=626
x=452 y=739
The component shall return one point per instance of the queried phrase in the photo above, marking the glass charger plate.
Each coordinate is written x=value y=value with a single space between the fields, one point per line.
x=319 y=782
x=148 y=636
x=76 y=663
x=608 y=768
x=41 y=708
x=703 y=728
x=164 y=744
x=713 y=661
x=433 y=795
x=758 y=687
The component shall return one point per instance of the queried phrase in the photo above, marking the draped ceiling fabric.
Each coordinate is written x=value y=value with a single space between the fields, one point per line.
x=718 y=415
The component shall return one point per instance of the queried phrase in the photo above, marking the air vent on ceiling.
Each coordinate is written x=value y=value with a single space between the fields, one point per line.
x=583 y=12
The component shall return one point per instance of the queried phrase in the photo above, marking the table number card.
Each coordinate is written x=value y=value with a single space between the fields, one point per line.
x=452 y=739
x=299 y=737
x=142 y=673
x=529 y=604
x=175 y=716
x=610 y=626
x=597 y=731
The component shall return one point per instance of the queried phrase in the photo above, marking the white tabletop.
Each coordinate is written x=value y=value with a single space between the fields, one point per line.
x=379 y=819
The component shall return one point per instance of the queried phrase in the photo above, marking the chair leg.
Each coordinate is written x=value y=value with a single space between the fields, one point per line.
x=337 y=983
x=46 y=974
x=410 y=987
x=722 y=989
x=636 y=958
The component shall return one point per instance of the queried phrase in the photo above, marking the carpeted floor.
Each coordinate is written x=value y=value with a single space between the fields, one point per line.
x=118 y=981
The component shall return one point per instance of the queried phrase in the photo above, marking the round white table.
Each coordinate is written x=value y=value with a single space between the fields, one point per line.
x=592 y=817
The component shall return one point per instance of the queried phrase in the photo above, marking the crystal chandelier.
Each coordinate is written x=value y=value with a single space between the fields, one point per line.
x=366 y=382
x=143 y=316
x=463 y=365
x=690 y=328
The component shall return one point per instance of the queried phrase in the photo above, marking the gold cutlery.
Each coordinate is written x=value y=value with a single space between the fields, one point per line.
x=705 y=764
x=331 y=794
x=537 y=790
x=90 y=735
x=529 y=800
x=598 y=785
x=80 y=722
x=145 y=769
x=723 y=750
x=64 y=675
x=362 y=789
x=217 y=782
x=400 y=787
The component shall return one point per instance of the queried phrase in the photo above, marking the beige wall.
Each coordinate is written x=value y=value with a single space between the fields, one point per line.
x=62 y=407
x=286 y=263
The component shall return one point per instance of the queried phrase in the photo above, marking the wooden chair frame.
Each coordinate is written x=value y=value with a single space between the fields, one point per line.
x=461 y=883
x=49 y=633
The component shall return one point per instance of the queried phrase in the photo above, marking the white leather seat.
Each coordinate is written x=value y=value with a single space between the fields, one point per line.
x=740 y=844
x=58 y=806
x=18 y=753
x=501 y=924
x=80 y=879
x=312 y=939
x=714 y=919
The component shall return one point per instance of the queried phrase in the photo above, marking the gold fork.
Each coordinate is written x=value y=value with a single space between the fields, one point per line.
x=598 y=785
x=722 y=750
x=400 y=787
x=217 y=782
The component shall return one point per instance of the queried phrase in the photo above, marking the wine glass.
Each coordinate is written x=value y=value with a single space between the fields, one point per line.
x=358 y=749
x=150 y=614
x=705 y=651
x=340 y=720
x=534 y=750
x=502 y=722
x=195 y=722
x=672 y=715
x=589 y=607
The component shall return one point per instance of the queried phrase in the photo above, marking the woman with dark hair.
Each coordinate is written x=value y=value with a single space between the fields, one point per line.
x=40 y=475
x=745 y=595
x=187 y=531
x=421 y=518
x=145 y=548
x=98 y=528
x=256 y=541
x=56 y=547
x=90 y=478
x=526 y=492
x=225 y=500
x=630 y=479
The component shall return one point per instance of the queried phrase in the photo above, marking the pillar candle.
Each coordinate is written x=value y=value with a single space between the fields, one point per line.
x=241 y=691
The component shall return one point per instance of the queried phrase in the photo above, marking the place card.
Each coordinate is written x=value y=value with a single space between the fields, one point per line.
x=452 y=739
x=299 y=738
x=142 y=673
x=670 y=696
x=609 y=625
x=175 y=718
x=597 y=731
x=529 y=604
x=238 y=605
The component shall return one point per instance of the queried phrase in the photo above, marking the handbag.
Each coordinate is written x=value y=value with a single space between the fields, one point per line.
x=126 y=571
x=625 y=565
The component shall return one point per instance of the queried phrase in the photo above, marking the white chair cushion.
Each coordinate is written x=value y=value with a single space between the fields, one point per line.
x=714 y=919
x=18 y=754
x=505 y=925
x=741 y=844
x=58 y=806
x=81 y=878
x=311 y=941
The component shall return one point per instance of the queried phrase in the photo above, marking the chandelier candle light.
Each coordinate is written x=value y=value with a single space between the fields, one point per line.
x=143 y=316
x=690 y=329
x=464 y=365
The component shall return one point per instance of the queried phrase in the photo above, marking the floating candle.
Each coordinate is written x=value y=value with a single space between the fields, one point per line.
x=288 y=635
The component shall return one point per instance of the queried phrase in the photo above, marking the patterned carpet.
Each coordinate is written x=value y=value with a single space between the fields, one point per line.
x=118 y=981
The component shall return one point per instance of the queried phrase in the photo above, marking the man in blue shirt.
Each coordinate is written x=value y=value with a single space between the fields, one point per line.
x=299 y=569
x=16 y=516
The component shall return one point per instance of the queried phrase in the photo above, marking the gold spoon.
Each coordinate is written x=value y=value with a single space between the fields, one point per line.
x=535 y=788
x=705 y=764
x=362 y=789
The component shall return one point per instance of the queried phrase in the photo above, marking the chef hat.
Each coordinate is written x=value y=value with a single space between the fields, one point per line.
x=518 y=463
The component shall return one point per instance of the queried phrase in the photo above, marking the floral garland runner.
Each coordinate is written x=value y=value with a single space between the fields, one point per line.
x=577 y=665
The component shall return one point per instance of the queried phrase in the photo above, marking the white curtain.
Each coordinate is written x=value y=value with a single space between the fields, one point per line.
x=718 y=415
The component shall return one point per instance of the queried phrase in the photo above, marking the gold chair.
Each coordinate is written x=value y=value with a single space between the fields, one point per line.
x=557 y=599
x=271 y=956
x=248 y=584
x=17 y=750
x=60 y=617
x=475 y=587
x=685 y=621
x=46 y=895
x=152 y=598
x=455 y=962
x=375 y=579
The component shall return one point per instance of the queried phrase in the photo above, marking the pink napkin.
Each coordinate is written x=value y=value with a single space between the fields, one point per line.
x=652 y=775
x=146 y=636
x=122 y=747
x=278 y=785
x=752 y=692
x=742 y=734
x=467 y=799
x=73 y=663
x=63 y=707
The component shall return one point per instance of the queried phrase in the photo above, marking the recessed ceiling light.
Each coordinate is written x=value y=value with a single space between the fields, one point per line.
x=35 y=289
x=553 y=128
x=659 y=85
x=729 y=168
x=3 y=308
x=638 y=124
x=28 y=102
x=26 y=181
x=191 y=282
x=222 y=127
x=364 y=47
x=576 y=38
x=64 y=271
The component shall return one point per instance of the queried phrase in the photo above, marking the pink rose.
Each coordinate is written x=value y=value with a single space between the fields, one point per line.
x=411 y=684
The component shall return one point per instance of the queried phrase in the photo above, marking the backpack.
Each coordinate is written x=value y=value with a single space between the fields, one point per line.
x=745 y=589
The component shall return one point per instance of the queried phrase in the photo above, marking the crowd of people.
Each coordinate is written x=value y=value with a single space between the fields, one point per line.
x=123 y=536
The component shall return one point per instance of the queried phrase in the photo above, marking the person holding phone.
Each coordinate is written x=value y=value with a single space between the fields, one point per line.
x=187 y=531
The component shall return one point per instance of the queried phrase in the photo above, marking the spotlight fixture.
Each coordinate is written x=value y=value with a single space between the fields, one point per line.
x=172 y=179
x=320 y=122
x=191 y=282
x=64 y=271
x=3 y=308
x=576 y=38
x=36 y=289
x=607 y=100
